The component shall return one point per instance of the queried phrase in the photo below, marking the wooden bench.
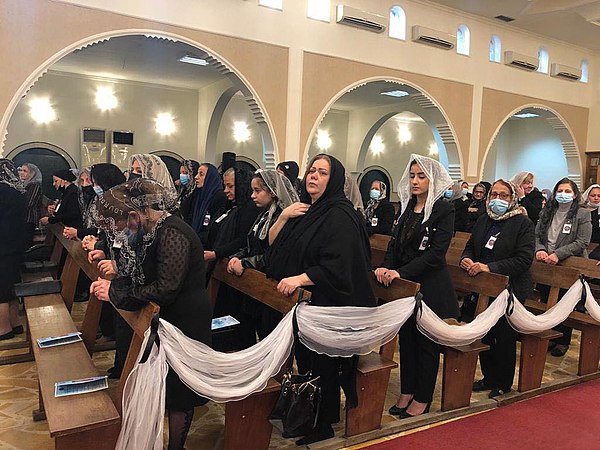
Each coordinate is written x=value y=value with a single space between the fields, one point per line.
x=83 y=421
x=249 y=418
x=379 y=244
x=462 y=235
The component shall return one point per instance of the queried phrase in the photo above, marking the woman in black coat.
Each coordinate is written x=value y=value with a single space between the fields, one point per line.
x=417 y=252
x=210 y=202
x=379 y=212
x=324 y=248
x=67 y=211
x=591 y=201
x=472 y=209
x=165 y=267
x=502 y=241
x=529 y=196
x=186 y=187
x=13 y=214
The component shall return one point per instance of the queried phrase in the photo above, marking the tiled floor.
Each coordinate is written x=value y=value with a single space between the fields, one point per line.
x=19 y=396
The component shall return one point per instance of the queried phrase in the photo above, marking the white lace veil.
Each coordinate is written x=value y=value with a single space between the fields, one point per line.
x=519 y=177
x=586 y=195
x=153 y=168
x=439 y=182
x=35 y=174
x=285 y=194
x=353 y=193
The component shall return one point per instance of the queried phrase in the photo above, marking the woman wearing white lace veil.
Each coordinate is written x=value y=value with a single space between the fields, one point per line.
x=164 y=266
x=272 y=192
x=143 y=165
x=352 y=193
x=417 y=252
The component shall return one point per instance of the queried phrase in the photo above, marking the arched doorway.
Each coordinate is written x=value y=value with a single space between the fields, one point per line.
x=371 y=174
x=537 y=139
x=172 y=160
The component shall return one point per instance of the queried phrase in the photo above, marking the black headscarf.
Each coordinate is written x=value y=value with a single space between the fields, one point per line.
x=243 y=188
x=65 y=174
x=282 y=259
x=290 y=169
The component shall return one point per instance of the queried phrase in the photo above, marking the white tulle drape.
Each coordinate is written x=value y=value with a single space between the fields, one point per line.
x=335 y=331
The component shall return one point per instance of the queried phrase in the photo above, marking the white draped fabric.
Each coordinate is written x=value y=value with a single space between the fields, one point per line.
x=335 y=331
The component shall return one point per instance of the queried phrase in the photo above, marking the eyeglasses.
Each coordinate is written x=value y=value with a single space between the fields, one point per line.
x=479 y=192
x=502 y=195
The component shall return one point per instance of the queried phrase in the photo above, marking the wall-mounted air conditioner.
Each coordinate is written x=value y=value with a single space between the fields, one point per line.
x=519 y=61
x=360 y=19
x=565 y=72
x=435 y=38
x=93 y=146
x=121 y=148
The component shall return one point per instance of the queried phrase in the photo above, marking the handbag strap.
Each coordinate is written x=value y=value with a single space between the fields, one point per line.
x=301 y=299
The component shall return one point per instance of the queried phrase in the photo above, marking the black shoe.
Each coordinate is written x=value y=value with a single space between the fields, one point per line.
x=18 y=329
x=320 y=433
x=559 y=350
x=406 y=415
x=480 y=386
x=396 y=410
x=8 y=335
x=497 y=392
x=551 y=345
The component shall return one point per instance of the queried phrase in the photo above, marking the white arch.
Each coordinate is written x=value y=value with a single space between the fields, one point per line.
x=561 y=126
x=260 y=114
x=442 y=124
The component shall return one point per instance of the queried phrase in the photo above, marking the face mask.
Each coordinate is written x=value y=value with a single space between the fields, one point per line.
x=594 y=205
x=87 y=190
x=465 y=191
x=448 y=193
x=564 y=198
x=61 y=189
x=374 y=194
x=498 y=206
x=184 y=179
x=133 y=176
x=98 y=190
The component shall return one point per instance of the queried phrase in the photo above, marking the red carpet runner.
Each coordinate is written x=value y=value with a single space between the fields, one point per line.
x=567 y=419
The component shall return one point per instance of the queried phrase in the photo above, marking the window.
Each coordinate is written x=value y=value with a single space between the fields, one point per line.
x=397 y=23
x=495 y=49
x=584 y=71
x=319 y=10
x=543 y=60
x=463 y=40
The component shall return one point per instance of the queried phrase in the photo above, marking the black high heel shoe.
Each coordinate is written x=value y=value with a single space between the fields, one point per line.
x=397 y=410
x=405 y=415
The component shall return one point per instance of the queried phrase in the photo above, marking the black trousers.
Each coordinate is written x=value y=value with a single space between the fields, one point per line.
x=419 y=362
x=498 y=363
x=544 y=291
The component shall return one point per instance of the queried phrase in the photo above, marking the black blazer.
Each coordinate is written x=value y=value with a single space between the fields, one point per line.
x=427 y=267
x=595 y=226
x=384 y=215
x=513 y=251
x=69 y=212
x=533 y=204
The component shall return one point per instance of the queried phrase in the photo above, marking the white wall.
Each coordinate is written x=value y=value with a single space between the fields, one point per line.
x=527 y=145
x=73 y=100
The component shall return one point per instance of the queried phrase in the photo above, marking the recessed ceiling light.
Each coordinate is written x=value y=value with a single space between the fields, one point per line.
x=41 y=110
x=377 y=146
x=241 y=133
x=323 y=139
x=396 y=93
x=193 y=59
x=164 y=124
x=526 y=115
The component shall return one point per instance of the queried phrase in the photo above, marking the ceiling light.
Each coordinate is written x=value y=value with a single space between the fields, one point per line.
x=526 y=115
x=105 y=98
x=404 y=134
x=395 y=93
x=164 y=123
x=377 y=146
x=319 y=10
x=433 y=149
x=241 y=133
x=323 y=140
x=274 y=4
x=193 y=59
x=41 y=110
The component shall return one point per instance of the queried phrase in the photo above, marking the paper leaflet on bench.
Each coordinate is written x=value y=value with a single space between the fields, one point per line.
x=226 y=377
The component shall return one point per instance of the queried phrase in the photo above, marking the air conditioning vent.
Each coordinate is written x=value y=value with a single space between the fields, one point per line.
x=93 y=146
x=94 y=135
x=519 y=61
x=565 y=72
x=121 y=148
x=360 y=19
x=504 y=18
x=433 y=37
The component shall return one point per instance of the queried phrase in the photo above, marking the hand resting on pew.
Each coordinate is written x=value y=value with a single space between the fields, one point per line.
x=386 y=276
x=89 y=242
x=473 y=268
x=96 y=255
x=288 y=285
x=235 y=266
x=108 y=268
x=70 y=233
x=100 y=288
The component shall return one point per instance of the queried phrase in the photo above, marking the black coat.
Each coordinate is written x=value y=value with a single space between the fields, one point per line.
x=533 y=204
x=13 y=214
x=68 y=212
x=595 y=226
x=384 y=219
x=228 y=236
x=427 y=267
x=253 y=254
x=512 y=253
x=218 y=206
x=460 y=213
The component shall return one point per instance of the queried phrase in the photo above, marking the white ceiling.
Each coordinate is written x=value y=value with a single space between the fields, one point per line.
x=142 y=59
x=566 y=20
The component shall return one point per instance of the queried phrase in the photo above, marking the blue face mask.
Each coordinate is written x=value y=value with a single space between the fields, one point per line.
x=448 y=193
x=98 y=190
x=498 y=206
x=564 y=198
x=465 y=191
x=374 y=194
x=184 y=179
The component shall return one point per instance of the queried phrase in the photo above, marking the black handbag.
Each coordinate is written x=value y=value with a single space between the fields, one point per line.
x=297 y=409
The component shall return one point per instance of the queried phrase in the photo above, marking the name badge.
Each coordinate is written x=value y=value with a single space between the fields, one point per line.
x=57 y=207
x=222 y=217
x=374 y=221
x=490 y=243
x=117 y=245
x=424 y=242
x=254 y=228
x=206 y=220
x=567 y=228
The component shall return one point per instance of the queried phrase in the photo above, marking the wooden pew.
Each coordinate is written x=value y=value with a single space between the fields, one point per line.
x=249 y=418
x=379 y=244
x=561 y=277
x=462 y=235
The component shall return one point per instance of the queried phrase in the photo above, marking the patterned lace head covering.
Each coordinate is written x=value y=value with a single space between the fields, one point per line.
x=35 y=174
x=371 y=204
x=514 y=209
x=285 y=194
x=153 y=168
x=9 y=175
x=110 y=213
